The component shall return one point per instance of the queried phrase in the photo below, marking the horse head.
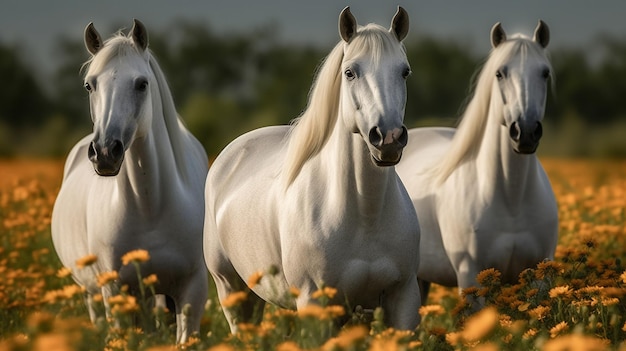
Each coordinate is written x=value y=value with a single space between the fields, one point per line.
x=118 y=81
x=522 y=80
x=373 y=73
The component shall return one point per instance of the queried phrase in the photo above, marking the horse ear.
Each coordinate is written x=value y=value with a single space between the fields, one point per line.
x=498 y=36
x=139 y=34
x=93 y=42
x=542 y=34
x=400 y=24
x=347 y=24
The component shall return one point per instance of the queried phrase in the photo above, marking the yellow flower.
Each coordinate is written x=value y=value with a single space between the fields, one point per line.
x=150 y=280
x=347 y=338
x=480 y=324
x=70 y=290
x=222 y=347
x=539 y=312
x=488 y=277
x=86 y=261
x=288 y=346
x=431 y=309
x=294 y=292
x=64 y=272
x=234 y=299
x=561 y=291
x=254 y=279
x=557 y=329
x=135 y=256
x=575 y=342
x=529 y=333
x=324 y=292
x=105 y=278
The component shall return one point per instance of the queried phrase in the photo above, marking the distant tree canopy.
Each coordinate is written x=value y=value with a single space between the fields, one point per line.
x=225 y=85
x=22 y=101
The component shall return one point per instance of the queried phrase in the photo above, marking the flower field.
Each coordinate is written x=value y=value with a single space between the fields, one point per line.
x=576 y=302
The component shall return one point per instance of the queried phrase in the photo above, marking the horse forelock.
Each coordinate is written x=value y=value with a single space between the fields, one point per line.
x=312 y=129
x=118 y=45
x=473 y=121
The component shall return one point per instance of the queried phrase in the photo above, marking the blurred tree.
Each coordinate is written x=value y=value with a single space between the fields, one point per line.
x=22 y=100
x=441 y=79
x=68 y=93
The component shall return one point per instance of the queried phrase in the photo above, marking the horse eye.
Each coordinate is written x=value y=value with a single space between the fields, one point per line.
x=545 y=73
x=499 y=75
x=141 y=85
x=349 y=74
x=87 y=87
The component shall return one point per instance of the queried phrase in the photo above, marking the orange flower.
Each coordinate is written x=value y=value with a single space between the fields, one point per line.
x=431 y=309
x=557 y=329
x=105 y=278
x=86 y=261
x=539 y=312
x=150 y=280
x=488 y=277
x=294 y=292
x=135 y=256
x=564 y=292
x=480 y=324
x=64 y=272
x=234 y=299
x=254 y=279
x=324 y=292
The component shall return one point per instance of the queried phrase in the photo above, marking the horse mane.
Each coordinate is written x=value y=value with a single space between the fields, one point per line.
x=470 y=131
x=312 y=129
x=120 y=45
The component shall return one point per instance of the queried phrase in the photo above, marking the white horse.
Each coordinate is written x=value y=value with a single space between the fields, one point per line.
x=136 y=182
x=482 y=196
x=320 y=203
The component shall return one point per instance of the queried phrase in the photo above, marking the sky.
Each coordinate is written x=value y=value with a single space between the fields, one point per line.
x=35 y=25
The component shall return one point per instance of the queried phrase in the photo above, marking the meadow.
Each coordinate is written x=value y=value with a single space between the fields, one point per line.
x=576 y=302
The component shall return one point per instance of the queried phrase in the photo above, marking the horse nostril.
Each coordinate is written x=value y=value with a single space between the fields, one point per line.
x=376 y=137
x=117 y=149
x=514 y=131
x=91 y=152
x=538 y=132
x=403 y=138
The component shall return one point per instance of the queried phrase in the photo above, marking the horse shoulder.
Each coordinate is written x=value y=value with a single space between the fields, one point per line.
x=77 y=156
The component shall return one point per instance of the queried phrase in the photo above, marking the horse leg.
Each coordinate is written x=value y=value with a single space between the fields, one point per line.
x=424 y=289
x=91 y=307
x=401 y=305
x=249 y=310
x=466 y=277
x=190 y=306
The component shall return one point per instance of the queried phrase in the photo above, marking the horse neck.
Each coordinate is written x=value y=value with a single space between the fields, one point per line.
x=503 y=174
x=351 y=172
x=150 y=164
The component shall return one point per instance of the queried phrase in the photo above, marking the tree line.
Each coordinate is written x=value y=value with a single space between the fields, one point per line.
x=225 y=85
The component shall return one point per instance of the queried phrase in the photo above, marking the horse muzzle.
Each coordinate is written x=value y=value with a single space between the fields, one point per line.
x=525 y=137
x=107 y=159
x=386 y=149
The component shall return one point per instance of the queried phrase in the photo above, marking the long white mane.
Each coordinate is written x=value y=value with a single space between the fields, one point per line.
x=120 y=46
x=471 y=129
x=311 y=130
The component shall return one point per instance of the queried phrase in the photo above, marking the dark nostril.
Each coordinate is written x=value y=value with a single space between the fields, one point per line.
x=514 y=131
x=117 y=149
x=403 y=138
x=91 y=152
x=538 y=132
x=376 y=137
